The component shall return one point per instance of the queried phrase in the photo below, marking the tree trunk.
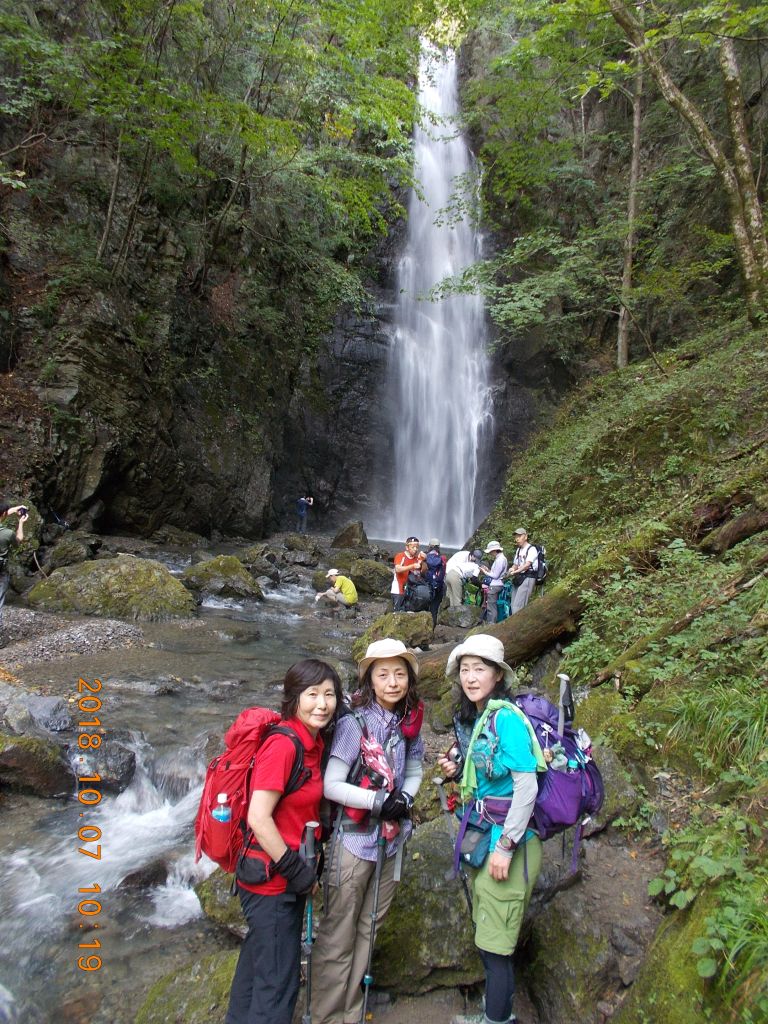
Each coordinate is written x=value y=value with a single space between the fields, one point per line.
x=622 y=344
x=755 y=285
x=524 y=635
x=112 y=200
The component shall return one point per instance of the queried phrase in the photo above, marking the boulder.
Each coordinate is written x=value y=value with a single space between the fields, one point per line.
x=113 y=761
x=371 y=577
x=413 y=628
x=425 y=941
x=352 y=536
x=124 y=587
x=195 y=994
x=71 y=549
x=222 y=576
x=35 y=766
x=298 y=542
x=48 y=713
x=178 y=538
x=464 y=617
x=255 y=561
x=219 y=905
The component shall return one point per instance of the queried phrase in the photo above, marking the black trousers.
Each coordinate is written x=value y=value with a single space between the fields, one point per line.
x=266 y=982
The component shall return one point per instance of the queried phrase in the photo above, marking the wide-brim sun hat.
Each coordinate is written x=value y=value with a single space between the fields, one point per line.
x=386 y=648
x=492 y=546
x=481 y=645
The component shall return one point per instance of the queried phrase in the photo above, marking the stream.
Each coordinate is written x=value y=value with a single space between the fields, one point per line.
x=171 y=701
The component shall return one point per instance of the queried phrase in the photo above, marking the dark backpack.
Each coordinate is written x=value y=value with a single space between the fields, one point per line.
x=435 y=574
x=542 y=568
x=230 y=773
x=418 y=593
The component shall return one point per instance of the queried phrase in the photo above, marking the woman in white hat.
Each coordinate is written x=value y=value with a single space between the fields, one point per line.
x=363 y=864
x=499 y=758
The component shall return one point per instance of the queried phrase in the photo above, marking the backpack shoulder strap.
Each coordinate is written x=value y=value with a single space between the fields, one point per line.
x=299 y=774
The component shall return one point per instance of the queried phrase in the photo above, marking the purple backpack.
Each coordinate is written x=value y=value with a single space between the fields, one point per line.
x=566 y=797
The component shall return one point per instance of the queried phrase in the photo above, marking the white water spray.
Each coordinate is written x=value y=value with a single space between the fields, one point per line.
x=441 y=410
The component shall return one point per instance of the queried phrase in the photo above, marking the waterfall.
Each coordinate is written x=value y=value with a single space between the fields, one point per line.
x=439 y=392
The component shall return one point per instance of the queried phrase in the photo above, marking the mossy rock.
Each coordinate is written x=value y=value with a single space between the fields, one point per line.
x=299 y=542
x=219 y=904
x=668 y=989
x=222 y=576
x=371 y=577
x=31 y=765
x=196 y=994
x=424 y=941
x=125 y=587
x=351 y=536
x=413 y=628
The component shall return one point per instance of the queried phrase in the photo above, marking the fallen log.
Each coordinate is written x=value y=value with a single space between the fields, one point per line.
x=753 y=520
x=524 y=635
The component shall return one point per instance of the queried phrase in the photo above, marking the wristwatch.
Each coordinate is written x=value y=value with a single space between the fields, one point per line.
x=506 y=843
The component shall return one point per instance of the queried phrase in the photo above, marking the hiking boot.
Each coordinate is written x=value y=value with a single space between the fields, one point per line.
x=479 y=1018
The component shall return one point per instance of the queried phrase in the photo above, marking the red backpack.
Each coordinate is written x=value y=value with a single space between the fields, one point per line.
x=230 y=773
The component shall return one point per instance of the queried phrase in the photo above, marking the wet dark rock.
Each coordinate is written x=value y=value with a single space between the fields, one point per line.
x=309 y=559
x=220 y=905
x=299 y=542
x=71 y=549
x=351 y=536
x=31 y=765
x=146 y=877
x=113 y=760
x=290 y=576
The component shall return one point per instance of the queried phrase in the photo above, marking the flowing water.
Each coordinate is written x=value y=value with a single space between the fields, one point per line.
x=440 y=396
x=170 y=700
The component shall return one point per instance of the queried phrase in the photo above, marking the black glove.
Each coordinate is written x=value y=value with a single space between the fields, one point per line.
x=300 y=875
x=396 y=806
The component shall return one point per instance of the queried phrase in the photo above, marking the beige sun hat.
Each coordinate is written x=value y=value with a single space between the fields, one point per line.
x=482 y=645
x=386 y=648
x=493 y=546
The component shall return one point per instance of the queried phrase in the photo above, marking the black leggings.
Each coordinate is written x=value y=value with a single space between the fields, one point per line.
x=499 y=985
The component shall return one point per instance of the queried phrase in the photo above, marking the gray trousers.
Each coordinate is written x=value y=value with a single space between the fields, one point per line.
x=5 y=582
x=340 y=953
x=454 y=586
x=522 y=595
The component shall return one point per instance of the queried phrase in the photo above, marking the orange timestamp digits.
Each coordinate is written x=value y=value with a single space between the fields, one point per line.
x=89 y=795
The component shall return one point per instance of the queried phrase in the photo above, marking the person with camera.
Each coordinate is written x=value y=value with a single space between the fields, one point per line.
x=408 y=561
x=494 y=579
x=495 y=762
x=365 y=853
x=9 y=538
x=523 y=571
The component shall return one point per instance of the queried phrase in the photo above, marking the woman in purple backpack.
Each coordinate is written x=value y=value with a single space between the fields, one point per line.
x=496 y=761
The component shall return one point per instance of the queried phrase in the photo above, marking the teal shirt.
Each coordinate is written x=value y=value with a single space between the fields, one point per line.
x=514 y=753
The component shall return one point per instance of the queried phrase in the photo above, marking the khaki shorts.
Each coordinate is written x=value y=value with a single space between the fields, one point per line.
x=498 y=908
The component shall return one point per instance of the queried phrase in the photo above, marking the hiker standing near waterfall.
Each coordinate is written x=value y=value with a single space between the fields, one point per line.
x=365 y=853
x=498 y=761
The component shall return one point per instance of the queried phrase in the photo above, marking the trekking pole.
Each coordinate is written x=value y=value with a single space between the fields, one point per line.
x=566 y=708
x=381 y=844
x=309 y=856
x=452 y=834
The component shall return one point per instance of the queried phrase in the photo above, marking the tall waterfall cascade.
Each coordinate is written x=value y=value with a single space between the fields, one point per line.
x=439 y=374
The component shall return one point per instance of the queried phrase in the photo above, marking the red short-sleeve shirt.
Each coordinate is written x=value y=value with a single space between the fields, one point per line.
x=272 y=771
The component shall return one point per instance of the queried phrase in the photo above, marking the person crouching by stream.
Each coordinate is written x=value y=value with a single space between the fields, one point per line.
x=274 y=881
x=364 y=856
x=499 y=761
x=341 y=594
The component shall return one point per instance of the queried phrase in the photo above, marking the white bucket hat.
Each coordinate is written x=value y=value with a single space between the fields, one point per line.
x=387 y=648
x=482 y=645
x=493 y=546
x=331 y=572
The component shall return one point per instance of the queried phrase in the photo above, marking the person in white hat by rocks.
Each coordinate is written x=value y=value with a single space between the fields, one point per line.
x=495 y=573
x=343 y=591
x=498 y=758
x=360 y=859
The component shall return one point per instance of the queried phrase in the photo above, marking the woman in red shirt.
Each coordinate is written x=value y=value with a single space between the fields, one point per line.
x=275 y=881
